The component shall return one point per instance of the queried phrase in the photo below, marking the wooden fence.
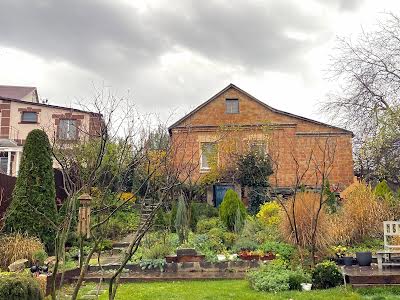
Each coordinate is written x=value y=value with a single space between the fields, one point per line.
x=7 y=184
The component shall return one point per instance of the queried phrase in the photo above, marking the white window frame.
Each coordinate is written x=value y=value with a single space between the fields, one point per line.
x=67 y=135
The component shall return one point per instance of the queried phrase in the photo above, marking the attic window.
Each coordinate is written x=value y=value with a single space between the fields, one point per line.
x=232 y=106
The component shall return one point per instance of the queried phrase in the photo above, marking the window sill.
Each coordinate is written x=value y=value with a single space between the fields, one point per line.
x=27 y=122
x=68 y=140
x=203 y=170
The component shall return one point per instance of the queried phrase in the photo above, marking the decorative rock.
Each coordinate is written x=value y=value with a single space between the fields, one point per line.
x=18 y=266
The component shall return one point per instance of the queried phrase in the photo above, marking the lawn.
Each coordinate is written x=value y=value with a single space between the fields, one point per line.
x=237 y=289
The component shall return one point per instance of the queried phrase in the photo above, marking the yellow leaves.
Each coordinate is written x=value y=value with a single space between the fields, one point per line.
x=269 y=213
x=124 y=196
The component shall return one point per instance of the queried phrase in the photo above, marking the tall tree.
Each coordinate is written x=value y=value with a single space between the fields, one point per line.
x=253 y=171
x=33 y=201
x=368 y=99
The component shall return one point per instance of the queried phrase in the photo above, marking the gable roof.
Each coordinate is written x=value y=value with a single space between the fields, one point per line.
x=16 y=92
x=231 y=85
x=50 y=105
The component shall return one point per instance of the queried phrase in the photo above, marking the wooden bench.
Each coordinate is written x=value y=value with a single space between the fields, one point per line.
x=390 y=229
x=384 y=258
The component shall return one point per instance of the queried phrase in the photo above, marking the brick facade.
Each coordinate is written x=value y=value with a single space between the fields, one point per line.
x=295 y=144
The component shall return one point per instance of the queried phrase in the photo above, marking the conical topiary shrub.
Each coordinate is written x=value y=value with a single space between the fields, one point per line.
x=229 y=209
x=33 y=200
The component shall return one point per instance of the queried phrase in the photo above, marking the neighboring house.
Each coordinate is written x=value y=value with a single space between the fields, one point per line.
x=233 y=121
x=24 y=93
x=21 y=112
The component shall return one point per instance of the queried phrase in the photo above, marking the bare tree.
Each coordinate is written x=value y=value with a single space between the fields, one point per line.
x=312 y=168
x=368 y=71
x=125 y=145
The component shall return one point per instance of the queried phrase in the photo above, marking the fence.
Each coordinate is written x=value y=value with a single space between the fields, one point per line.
x=7 y=184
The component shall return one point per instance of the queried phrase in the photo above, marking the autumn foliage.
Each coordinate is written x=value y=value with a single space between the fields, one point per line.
x=361 y=215
x=300 y=217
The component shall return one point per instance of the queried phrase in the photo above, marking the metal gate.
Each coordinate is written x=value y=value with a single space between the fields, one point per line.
x=219 y=192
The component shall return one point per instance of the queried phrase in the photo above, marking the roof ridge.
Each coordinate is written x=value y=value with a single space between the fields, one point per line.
x=231 y=85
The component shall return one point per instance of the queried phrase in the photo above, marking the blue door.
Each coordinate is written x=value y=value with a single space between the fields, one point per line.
x=219 y=193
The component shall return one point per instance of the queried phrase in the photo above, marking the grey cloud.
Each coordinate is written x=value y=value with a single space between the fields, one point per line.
x=252 y=35
x=104 y=36
x=115 y=41
x=344 y=5
x=97 y=35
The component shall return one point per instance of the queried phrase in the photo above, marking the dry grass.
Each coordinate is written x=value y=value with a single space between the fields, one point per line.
x=305 y=210
x=360 y=217
x=18 y=246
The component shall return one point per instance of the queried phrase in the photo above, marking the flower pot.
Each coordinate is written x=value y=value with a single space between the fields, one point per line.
x=221 y=257
x=348 y=260
x=306 y=286
x=364 y=258
x=339 y=261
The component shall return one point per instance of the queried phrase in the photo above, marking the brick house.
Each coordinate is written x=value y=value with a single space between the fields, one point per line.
x=233 y=121
x=21 y=112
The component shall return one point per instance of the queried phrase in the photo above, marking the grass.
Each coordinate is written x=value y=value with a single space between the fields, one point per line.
x=238 y=289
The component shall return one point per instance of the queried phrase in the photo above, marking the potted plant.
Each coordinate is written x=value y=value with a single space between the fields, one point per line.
x=348 y=260
x=364 y=258
x=342 y=256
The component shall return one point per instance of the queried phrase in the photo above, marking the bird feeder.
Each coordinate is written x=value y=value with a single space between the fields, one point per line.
x=84 y=215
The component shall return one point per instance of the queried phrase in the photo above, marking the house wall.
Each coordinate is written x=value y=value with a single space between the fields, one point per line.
x=48 y=120
x=290 y=141
x=49 y=117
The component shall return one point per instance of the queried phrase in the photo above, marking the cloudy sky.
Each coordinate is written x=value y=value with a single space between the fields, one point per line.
x=169 y=56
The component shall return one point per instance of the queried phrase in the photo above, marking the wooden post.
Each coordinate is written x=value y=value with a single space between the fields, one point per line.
x=84 y=215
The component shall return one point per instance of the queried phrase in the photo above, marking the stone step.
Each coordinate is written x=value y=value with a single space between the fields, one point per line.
x=85 y=297
x=120 y=245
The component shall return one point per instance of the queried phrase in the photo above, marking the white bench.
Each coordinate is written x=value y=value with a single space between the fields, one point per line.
x=390 y=229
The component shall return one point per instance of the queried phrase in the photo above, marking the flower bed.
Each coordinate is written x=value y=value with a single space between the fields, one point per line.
x=251 y=255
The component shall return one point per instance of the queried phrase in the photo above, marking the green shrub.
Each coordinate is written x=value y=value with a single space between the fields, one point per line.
x=182 y=220
x=273 y=277
x=245 y=244
x=254 y=168
x=157 y=251
x=121 y=224
x=39 y=256
x=19 y=287
x=105 y=245
x=34 y=192
x=163 y=220
x=228 y=209
x=276 y=277
x=383 y=192
x=326 y=275
x=257 y=231
x=201 y=211
x=205 y=225
x=280 y=249
x=297 y=277
x=229 y=239
x=258 y=195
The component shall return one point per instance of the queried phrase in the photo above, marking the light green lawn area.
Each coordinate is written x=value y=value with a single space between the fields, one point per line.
x=237 y=289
